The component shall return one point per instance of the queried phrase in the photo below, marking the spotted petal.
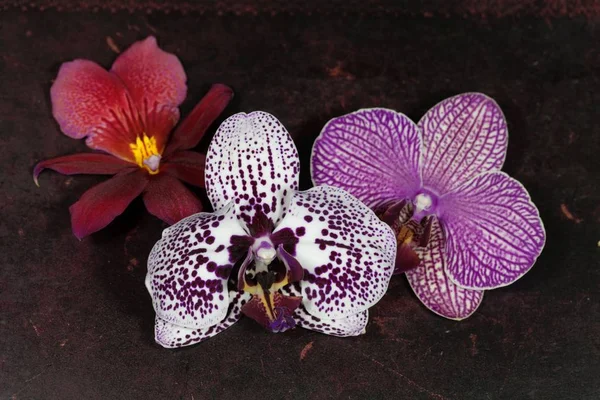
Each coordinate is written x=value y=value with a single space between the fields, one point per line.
x=463 y=136
x=494 y=232
x=372 y=153
x=189 y=267
x=434 y=288
x=171 y=336
x=347 y=253
x=252 y=160
x=353 y=325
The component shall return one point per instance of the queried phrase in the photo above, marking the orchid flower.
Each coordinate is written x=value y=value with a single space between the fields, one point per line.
x=127 y=114
x=317 y=259
x=462 y=225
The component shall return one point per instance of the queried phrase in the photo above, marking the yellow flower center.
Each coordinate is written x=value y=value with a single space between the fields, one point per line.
x=146 y=153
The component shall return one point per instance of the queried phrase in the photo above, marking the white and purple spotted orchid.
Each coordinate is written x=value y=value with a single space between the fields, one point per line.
x=462 y=225
x=317 y=259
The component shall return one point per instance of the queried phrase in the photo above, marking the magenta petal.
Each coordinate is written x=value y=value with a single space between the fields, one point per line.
x=494 y=231
x=433 y=287
x=84 y=163
x=463 y=136
x=372 y=153
x=170 y=336
x=187 y=166
x=168 y=199
x=189 y=133
x=252 y=160
x=105 y=201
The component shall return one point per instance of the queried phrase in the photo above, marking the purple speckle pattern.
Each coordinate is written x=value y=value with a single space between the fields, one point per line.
x=172 y=336
x=463 y=136
x=347 y=253
x=352 y=325
x=252 y=161
x=432 y=285
x=372 y=153
x=189 y=267
x=494 y=232
x=339 y=256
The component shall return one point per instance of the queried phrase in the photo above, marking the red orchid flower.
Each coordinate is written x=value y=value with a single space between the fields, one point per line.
x=128 y=114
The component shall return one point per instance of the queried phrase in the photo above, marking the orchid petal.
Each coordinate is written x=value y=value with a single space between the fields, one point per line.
x=168 y=199
x=346 y=252
x=252 y=160
x=171 y=336
x=372 y=153
x=494 y=232
x=189 y=267
x=353 y=325
x=84 y=163
x=189 y=133
x=155 y=80
x=463 y=136
x=100 y=205
x=187 y=166
x=433 y=287
x=88 y=101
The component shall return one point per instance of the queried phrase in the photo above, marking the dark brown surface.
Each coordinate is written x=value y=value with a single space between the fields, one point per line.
x=76 y=321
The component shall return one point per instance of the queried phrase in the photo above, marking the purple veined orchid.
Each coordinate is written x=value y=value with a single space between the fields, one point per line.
x=317 y=259
x=462 y=226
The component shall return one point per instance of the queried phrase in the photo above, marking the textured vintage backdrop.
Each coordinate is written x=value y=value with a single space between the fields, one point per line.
x=75 y=319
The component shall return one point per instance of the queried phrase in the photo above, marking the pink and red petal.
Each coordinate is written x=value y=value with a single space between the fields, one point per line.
x=434 y=288
x=189 y=133
x=84 y=163
x=187 y=166
x=372 y=153
x=168 y=199
x=156 y=83
x=88 y=101
x=463 y=136
x=494 y=231
x=100 y=205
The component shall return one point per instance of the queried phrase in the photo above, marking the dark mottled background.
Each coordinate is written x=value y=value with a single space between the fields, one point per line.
x=75 y=319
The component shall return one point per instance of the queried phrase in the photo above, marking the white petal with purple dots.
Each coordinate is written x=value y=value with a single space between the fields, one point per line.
x=494 y=231
x=252 y=161
x=372 y=153
x=189 y=266
x=172 y=336
x=352 y=325
x=346 y=252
